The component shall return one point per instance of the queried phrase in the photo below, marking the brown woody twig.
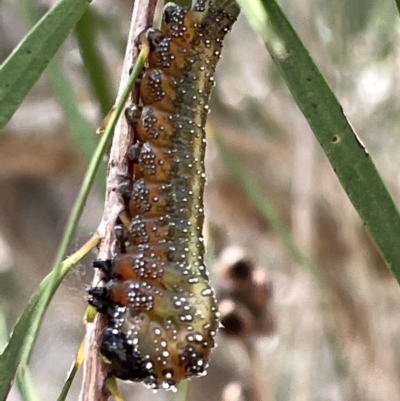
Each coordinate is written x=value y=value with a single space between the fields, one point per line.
x=94 y=373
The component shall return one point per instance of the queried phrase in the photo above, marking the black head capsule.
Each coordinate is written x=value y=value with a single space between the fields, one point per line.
x=125 y=362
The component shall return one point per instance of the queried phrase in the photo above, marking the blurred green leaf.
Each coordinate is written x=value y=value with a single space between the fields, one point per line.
x=264 y=206
x=23 y=335
x=398 y=5
x=183 y=391
x=25 y=384
x=82 y=132
x=266 y=209
x=86 y=32
x=350 y=160
x=3 y=331
x=25 y=64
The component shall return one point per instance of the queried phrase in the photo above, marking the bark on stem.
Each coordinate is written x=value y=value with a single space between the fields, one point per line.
x=94 y=373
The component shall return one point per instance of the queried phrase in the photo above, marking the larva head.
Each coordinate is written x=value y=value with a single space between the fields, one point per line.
x=158 y=353
x=123 y=360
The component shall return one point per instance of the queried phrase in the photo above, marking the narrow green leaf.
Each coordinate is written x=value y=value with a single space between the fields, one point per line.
x=79 y=358
x=26 y=385
x=25 y=64
x=25 y=332
x=345 y=151
x=86 y=32
x=10 y=358
x=398 y=5
x=264 y=206
x=27 y=327
x=3 y=331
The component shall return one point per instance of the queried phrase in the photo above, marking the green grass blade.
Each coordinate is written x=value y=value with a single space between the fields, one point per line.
x=350 y=160
x=25 y=64
x=25 y=385
x=3 y=331
x=86 y=31
x=25 y=332
x=21 y=336
x=79 y=357
x=26 y=329
x=398 y=5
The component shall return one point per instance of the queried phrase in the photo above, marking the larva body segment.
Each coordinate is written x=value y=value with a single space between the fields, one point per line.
x=161 y=309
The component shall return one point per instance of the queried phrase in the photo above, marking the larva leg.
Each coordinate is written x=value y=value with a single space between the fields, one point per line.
x=105 y=265
x=78 y=360
x=121 y=231
x=134 y=152
x=150 y=36
x=153 y=36
x=125 y=189
x=99 y=298
x=132 y=113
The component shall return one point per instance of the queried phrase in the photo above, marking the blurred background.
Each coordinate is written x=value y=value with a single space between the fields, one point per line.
x=318 y=319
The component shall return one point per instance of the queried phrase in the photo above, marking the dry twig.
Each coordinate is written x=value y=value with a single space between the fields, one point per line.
x=94 y=371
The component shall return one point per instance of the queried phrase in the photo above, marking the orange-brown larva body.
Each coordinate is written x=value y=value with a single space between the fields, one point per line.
x=161 y=308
